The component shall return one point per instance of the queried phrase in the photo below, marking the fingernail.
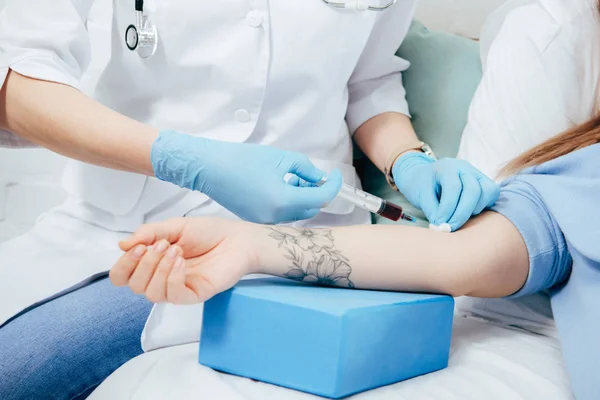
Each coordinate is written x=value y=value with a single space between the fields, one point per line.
x=160 y=246
x=178 y=264
x=172 y=252
x=138 y=252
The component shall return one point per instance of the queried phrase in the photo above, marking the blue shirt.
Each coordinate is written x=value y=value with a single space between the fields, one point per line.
x=555 y=206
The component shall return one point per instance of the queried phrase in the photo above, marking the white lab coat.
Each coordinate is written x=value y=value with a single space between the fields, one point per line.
x=295 y=74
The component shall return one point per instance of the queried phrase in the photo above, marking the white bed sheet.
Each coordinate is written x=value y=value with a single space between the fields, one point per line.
x=487 y=361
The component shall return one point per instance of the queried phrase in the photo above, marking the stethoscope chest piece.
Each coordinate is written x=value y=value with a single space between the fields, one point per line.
x=132 y=37
x=143 y=35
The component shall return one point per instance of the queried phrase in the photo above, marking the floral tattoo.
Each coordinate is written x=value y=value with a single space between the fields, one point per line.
x=324 y=264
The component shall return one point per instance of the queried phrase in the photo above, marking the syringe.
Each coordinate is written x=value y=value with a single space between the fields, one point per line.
x=372 y=203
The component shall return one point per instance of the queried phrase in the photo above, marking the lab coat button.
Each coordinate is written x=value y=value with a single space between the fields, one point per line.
x=242 y=115
x=254 y=18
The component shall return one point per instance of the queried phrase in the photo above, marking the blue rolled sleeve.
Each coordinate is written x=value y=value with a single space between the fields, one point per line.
x=549 y=258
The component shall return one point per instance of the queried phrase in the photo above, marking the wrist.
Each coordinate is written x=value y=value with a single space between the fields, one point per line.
x=404 y=153
x=408 y=161
x=260 y=253
x=149 y=136
x=413 y=157
x=177 y=158
x=269 y=253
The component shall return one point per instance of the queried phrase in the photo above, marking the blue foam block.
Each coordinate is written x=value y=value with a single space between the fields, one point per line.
x=326 y=341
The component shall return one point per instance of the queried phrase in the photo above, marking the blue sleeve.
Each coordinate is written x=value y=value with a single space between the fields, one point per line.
x=549 y=258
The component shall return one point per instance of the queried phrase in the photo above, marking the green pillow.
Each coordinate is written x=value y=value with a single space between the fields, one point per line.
x=445 y=70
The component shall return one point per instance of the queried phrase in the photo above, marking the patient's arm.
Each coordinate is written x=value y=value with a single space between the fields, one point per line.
x=487 y=258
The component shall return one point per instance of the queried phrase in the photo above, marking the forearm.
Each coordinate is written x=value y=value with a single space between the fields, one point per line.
x=384 y=134
x=488 y=258
x=68 y=122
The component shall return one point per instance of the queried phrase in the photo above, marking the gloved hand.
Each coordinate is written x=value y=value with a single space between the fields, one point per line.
x=247 y=179
x=448 y=191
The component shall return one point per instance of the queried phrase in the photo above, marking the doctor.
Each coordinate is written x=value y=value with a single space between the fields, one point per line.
x=203 y=108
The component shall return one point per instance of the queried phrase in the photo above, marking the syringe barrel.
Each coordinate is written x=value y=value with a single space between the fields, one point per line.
x=361 y=199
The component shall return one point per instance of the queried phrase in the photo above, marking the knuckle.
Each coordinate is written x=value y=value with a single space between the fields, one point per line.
x=136 y=287
x=285 y=159
x=496 y=193
x=430 y=213
x=115 y=277
x=452 y=189
x=494 y=188
x=172 y=280
x=301 y=158
x=145 y=228
x=174 y=296
x=490 y=190
x=177 y=221
x=478 y=191
x=154 y=297
x=490 y=182
x=163 y=267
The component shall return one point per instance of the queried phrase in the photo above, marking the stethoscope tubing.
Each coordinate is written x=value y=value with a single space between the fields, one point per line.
x=344 y=4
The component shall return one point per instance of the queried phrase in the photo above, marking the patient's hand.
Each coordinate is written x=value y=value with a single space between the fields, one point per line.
x=185 y=260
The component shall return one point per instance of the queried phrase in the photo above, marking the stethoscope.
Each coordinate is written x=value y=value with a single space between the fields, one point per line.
x=359 y=5
x=143 y=35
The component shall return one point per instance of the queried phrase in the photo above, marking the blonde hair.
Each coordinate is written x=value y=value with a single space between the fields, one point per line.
x=576 y=138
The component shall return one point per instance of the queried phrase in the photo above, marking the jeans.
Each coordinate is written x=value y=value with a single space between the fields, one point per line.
x=65 y=348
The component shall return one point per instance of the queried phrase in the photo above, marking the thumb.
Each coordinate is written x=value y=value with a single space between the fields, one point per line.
x=142 y=236
x=170 y=230
x=332 y=186
x=301 y=166
x=317 y=197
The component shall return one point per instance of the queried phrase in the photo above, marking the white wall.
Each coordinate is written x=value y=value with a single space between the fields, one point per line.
x=30 y=179
x=28 y=187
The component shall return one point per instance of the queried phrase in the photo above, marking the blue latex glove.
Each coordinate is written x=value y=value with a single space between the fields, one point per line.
x=448 y=191
x=247 y=179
